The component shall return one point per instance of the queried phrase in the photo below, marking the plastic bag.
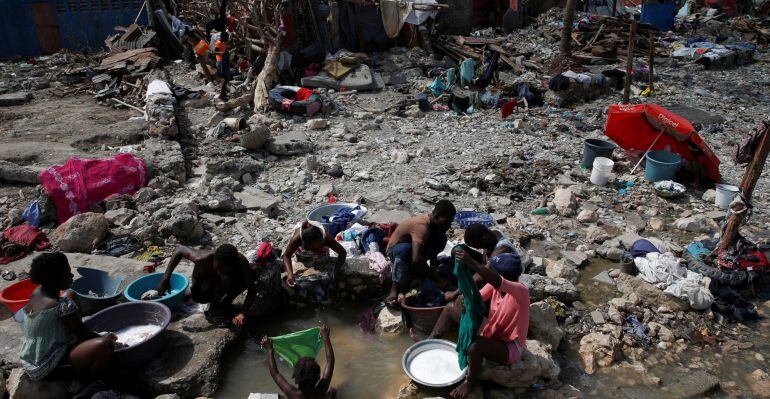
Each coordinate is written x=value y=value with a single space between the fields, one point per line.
x=32 y=214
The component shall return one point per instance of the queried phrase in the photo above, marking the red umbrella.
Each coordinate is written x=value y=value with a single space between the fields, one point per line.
x=636 y=127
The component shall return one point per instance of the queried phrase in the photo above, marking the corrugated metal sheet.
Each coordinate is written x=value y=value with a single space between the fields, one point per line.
x=17 y=30
x=82 y=24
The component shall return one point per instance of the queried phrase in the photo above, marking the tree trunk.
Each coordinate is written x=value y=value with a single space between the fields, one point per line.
x=565 y=49
x=265 y=78
x=750 y=178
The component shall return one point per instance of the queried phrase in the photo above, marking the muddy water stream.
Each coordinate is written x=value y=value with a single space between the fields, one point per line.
x=367 y=366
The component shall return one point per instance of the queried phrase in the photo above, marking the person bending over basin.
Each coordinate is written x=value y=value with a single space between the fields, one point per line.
x=416 y=242
x=491 y=242
x=218 y=278
x=54 y=334
x=311 y=243
x=307 y=373
x=503 y=335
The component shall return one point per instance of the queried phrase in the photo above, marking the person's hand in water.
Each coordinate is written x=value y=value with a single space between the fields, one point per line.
x=163 y=287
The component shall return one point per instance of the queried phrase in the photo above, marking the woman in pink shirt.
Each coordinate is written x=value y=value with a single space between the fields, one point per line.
x=503 y=336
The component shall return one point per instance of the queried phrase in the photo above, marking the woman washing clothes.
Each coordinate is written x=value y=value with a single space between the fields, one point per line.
x=503 y=334
x=311 y=243
x=54 y=334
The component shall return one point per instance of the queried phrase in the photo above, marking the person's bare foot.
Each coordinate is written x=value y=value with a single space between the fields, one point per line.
x=462 y=391
x=414 y=336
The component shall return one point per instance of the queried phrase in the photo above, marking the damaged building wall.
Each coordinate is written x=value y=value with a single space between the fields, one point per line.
x=31 y=28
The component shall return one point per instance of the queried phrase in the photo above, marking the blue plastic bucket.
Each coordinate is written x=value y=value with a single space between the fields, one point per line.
x=173 y=299
x=96 y=290
x=661 y=165
x=593 y=148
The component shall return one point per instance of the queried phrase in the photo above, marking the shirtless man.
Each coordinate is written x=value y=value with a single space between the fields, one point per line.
x=218 y=277
x=417 y=242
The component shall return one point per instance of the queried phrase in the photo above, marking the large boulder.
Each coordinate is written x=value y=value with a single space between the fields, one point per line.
x=536 y=366
x=255 y=138
x=597 y=234
x=565 y=202
x=81 y=233
x=598 y=350
x=649 y=294
x=292 y=143
x=21 y=387
x=543 y=325
x=696 y=224
x=562 y=269
x=541 y=287
x=183 y=223
x=389 y=321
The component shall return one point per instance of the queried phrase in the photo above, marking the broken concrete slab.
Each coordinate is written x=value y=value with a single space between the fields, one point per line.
x=10 y=171
x=164 y=158
x=253 y=198
x=604 y=277
x=13 y=99
x=388 y=216
x=293 y=143
x=695 y=385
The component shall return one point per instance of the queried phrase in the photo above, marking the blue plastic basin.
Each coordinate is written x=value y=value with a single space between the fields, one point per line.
x=661 y=165
x=128 y=315
x=96 y=290
x=173 y=299
x=467 y=218
x=317 y=213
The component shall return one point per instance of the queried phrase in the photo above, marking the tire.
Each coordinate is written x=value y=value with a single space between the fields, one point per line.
x=734 y=279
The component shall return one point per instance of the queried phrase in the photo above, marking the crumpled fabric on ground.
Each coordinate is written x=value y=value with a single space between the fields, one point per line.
x=691 y=289
x=660 y=268
x=466 y=71
x=379 y=263
x=32 y=214
x=18 y=241
x=81 y=182
x=119 y=245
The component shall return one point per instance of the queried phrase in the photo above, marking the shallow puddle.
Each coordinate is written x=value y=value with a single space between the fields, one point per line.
x=594 y=292
x=367 y=365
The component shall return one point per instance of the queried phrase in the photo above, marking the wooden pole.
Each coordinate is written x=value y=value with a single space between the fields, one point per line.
x=614 y=7
x=750 y=178
x=652 y=62
x=629 y=63
x=565 y=47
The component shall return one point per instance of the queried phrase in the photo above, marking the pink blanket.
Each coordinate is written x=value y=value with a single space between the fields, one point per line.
x=81 y=182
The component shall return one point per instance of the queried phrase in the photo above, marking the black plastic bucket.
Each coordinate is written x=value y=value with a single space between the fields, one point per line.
x=593 y=148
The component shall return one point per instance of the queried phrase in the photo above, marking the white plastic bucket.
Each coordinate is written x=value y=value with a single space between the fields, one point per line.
x=725 y=195
x=600 y=174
